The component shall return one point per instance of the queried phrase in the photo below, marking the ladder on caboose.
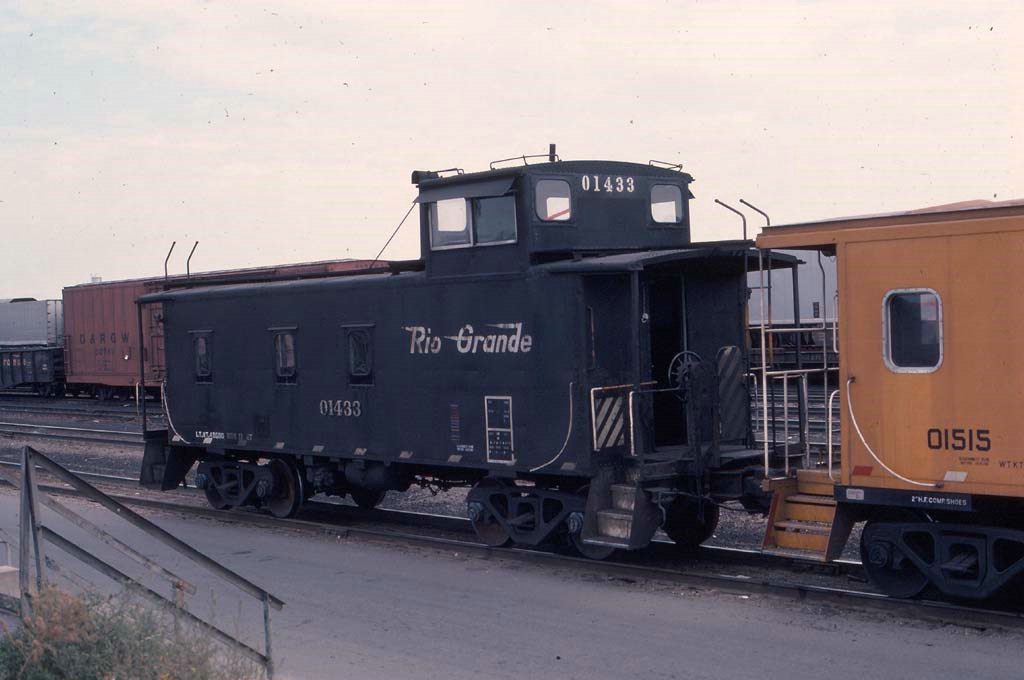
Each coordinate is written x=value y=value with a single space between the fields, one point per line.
x=802 y=520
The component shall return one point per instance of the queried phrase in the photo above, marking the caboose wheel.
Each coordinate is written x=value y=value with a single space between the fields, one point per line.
x=488 y=529
x=288 y=494
x=686 y=526
x=366 y=498
x=214 y=497
x=887 y=566
x=589 y=550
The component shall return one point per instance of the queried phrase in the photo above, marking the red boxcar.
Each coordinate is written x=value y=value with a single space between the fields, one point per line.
x=101 y=328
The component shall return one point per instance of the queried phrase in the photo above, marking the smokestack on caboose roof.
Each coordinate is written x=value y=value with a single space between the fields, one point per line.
x=420 y=175
x=552 y=156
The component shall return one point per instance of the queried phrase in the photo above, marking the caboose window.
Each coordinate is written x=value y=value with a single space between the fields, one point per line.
x=360 y=356
x=202 y=356
x=494 y=219
x=284 y=357
x=666 y=204
x=553 y=200
x=449 y=223
x=912 y=328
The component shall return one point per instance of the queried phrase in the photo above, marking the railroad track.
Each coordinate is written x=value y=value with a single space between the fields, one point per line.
x=332 y=519
x=79 y=434
x=72 y=407
x=661 y=549
x=65 y=411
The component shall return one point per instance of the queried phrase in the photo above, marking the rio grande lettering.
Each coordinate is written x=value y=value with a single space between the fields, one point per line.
x=509 y=339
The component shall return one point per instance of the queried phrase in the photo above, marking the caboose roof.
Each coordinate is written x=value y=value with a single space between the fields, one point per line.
x=824 y=233
x=558 y=167
x=622 y=262
x=260 y=287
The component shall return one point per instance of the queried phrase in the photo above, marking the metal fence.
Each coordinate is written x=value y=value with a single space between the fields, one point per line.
x=35 y=536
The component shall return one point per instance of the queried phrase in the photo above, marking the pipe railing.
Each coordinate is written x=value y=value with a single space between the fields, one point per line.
x=632 y=436
x=767 y=330
x=595 y=391
x=804 y=433
x=786 y=376
x=793 y=329
x=764 y=361
x=831 y=398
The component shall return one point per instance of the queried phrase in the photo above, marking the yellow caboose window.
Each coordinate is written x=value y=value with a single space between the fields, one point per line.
x=912 y=330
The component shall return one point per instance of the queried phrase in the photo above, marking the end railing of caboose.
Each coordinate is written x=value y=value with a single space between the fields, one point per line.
x=612 y=409
x=767 y=378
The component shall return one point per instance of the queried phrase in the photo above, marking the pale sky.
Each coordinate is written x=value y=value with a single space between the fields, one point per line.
x=286 y=131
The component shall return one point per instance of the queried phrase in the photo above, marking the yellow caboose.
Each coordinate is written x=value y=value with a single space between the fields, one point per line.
x=931 y=386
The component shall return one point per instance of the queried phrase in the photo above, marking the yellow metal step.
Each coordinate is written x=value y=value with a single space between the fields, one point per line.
x=814 y=482
x=808 y=527
x=812 y=498
x=808 y=512
x=797 y=540
x=795 y=553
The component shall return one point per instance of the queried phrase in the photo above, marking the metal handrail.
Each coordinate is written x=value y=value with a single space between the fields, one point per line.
x=593 y=407
x=632 y=433
x=831 y=398
x=785 y=424
x=835 y=325
x=804 y=420
x=793 y=329
x=795 y=371
x=764 y=360
x=767 y=329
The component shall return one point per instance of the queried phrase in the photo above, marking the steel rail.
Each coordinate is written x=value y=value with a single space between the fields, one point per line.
x=117 y=479
x=68 y=437
x=71 y=429
x=68 y=411
x=71 y=434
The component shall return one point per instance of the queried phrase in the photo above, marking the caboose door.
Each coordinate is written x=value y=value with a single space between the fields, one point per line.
x=664 y=308
x=607 y=333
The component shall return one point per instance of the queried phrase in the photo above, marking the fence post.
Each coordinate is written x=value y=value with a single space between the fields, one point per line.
x=29 y=484
x=23 y=540
x=266 y=630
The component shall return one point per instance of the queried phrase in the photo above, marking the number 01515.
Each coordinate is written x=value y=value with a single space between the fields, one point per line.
x=959 y=439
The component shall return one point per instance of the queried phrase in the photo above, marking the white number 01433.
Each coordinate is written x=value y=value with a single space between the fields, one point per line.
x=608 y=184
x=341 y=407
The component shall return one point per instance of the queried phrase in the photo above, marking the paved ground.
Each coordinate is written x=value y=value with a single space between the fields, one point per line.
x=366 y=610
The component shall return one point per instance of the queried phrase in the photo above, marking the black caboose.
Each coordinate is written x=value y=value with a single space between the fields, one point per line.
x=560 y=347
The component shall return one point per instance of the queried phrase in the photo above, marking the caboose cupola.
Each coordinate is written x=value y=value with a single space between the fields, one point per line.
x=506 y=219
